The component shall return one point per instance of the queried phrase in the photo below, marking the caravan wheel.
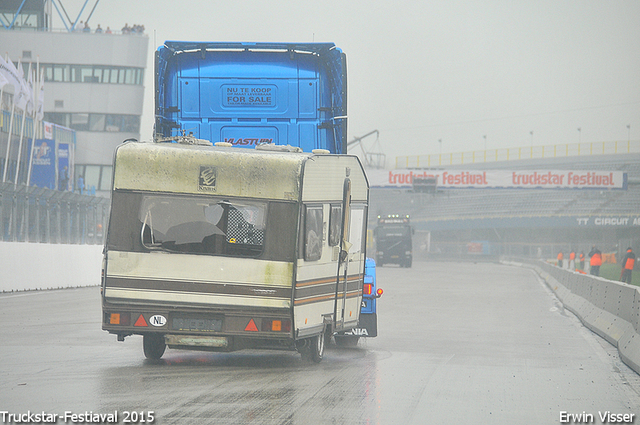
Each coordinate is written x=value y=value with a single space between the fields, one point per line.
x=153 y=346
x=317 y=348
x=312 y=349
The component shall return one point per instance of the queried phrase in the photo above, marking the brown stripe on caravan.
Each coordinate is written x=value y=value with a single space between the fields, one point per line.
x=301 y=284
x=318 y=290
x=200 y=288
x=324 y=280
x=304 y=301
x=325 y=286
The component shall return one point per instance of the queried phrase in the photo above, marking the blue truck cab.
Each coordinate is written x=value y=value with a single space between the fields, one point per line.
x=247 y=94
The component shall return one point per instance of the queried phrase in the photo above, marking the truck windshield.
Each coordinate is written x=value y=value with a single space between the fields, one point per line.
x=194 y=225
x=393 y=232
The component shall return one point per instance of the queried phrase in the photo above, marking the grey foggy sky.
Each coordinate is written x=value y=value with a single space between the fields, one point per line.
x=443 y=69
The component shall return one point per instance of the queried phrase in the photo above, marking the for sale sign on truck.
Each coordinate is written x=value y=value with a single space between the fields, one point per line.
x=245 y=95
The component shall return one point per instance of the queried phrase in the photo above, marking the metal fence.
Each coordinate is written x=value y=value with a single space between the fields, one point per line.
x=33 y=214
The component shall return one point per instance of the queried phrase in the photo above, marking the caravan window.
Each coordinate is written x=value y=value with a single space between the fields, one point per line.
x=357 y=229
x=335 y=225
x=313 y=233
x=203 y=225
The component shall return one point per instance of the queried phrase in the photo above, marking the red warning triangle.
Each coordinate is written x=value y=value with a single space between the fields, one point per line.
x=251 y=326
x=140 y=322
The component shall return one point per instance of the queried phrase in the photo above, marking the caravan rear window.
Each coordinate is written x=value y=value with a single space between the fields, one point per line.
x=203 y=225
x=143 y=222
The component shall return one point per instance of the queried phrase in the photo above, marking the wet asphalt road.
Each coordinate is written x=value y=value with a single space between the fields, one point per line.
x=458 y=344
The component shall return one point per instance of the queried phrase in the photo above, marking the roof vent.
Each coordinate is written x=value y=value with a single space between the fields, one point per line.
x=224 y=144
x=321 y=151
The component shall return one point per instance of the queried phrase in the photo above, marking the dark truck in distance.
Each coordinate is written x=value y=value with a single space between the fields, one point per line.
x=393 y=240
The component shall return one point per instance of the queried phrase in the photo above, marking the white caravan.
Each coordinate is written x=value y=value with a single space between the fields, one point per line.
x=222 y=248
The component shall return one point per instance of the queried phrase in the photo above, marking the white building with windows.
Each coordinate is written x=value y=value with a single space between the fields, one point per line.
x=94 y=84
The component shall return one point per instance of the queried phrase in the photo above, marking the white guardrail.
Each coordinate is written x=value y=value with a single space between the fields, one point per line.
x=34 y=266
x=610 y=309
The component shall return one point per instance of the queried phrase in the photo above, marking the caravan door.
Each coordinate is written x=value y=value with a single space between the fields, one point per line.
x=355 y=266
x=350 y=263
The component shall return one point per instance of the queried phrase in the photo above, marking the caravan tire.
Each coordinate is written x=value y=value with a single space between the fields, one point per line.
x=312 y=349
x=317 y=348
x=153 y=346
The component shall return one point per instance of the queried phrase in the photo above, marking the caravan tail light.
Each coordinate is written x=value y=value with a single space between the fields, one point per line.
x=276 y=325
x=123 y=319
x=367 y=288
x=379 y=292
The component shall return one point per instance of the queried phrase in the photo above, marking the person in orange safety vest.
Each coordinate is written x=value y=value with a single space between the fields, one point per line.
x=572 y=260
x=595 y=261
x=627 y=266
x=560 y=257
x=582 y=261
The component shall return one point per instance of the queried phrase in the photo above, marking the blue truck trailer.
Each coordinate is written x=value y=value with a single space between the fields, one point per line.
x=248 y=94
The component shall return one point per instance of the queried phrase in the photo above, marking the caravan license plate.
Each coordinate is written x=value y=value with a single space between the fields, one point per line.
x=195 y=324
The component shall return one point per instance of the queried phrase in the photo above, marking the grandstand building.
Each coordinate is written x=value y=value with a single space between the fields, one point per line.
x=519 y=221
x=94 y=84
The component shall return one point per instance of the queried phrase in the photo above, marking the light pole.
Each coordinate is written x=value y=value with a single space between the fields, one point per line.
x=485 y=147
x=531 y=133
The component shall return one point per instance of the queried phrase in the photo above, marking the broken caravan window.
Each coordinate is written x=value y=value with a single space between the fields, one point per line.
x=313 y=233
x=203 y=226
x=335 y=225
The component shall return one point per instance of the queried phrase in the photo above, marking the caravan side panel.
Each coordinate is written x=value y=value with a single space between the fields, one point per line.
x=319 y=293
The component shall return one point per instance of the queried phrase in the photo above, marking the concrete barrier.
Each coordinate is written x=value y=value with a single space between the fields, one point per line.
x=610 y=309
x=31 y=266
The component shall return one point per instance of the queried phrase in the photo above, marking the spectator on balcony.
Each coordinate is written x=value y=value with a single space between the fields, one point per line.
x=137 y=29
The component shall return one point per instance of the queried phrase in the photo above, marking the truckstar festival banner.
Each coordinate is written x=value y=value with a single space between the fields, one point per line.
x=504 y=179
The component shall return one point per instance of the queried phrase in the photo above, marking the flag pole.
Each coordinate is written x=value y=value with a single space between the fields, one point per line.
x=24 y=119
x=36 y=92
x=13 y=110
